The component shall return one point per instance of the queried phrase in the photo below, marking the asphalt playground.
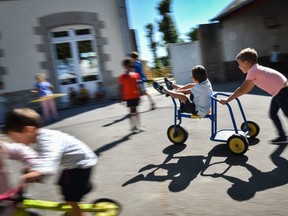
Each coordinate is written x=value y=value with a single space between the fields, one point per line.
x=149 y=175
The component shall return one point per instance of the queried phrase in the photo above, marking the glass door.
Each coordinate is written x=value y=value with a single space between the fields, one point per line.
x=89 y=68
x=65 y=64
x=75 y=59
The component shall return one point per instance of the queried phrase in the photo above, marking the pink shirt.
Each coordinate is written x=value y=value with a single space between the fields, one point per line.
x=15 y=151
x=266 y=78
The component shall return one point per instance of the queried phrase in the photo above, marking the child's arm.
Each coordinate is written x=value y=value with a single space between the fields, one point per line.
x=21 y=152
x=51 y=86
x=246 y=86
x=184 y=91
x=187 y=86
x=35 y=88
x=2 y=152
x=31 y=176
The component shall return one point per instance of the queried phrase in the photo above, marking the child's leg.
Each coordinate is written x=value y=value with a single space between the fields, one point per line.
x=76 y=211
x=52 y=108
x=133 y=118
x=136 y=117
x=176 y=86
x=170 y=85
x=143 y=90
x=178 y=95
x=273 y=112
x=75 y=183
x=45 y=111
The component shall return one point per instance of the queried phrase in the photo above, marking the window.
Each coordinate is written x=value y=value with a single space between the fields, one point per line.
x=82 y=31
x=75 y=54
x=59 y=34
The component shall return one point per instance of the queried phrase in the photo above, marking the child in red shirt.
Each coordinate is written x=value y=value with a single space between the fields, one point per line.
x=130 y=92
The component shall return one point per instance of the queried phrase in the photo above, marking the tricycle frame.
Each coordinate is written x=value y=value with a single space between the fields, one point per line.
x=248 y=128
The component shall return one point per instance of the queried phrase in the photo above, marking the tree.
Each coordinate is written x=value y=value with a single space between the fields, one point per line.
x=152 y=43
x=166 y=25
x=192 y=34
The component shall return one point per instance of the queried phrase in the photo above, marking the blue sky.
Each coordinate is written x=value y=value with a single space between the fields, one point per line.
x=186 y=13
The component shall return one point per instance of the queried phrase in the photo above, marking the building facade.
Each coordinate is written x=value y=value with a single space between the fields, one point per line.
x=259 y=24
x=72 y=41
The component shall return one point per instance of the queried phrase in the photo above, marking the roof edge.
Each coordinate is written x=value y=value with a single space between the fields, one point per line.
x=231 y=8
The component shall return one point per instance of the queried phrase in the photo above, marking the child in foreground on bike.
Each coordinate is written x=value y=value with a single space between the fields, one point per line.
x=55 y=148
x=19 y=152
x=198 y=103
x=15 y=151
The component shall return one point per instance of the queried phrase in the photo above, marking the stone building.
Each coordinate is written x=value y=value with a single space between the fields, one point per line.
x=72 y=41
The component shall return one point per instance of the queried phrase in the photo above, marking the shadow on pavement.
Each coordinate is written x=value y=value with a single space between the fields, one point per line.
x=181 y=173
x=242 y=190
x=111 y=145
x=72 y=111
x=185 y=169
x=124 y=118
x=117 y=120
x=253 y=141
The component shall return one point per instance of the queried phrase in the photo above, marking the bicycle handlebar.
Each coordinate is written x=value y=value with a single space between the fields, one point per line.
x=8 y=195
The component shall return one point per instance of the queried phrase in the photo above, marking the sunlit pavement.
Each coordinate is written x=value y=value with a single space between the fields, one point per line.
x=149 y=175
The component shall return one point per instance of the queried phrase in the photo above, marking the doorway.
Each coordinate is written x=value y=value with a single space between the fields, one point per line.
x=75 y=58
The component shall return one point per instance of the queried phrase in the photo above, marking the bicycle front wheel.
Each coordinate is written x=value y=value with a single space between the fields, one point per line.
x=106 y=207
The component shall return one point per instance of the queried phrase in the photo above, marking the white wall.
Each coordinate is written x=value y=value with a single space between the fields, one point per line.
x=184 y=56
x=17 y=22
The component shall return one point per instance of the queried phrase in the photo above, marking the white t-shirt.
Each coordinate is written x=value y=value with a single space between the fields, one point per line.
x=57 y=148
x=202 y=97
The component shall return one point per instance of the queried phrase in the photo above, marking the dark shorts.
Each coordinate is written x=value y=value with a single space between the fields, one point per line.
x=133 y=102
x=189 y=106
x=75 y=183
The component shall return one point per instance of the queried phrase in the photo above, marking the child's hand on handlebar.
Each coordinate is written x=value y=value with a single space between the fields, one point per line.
x=223 y=101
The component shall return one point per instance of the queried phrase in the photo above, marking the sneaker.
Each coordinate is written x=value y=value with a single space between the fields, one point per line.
x=168 y=83
x=158 y=87
x=141 y=129
x=136 y=130
x=133 y=129
x=281 y=139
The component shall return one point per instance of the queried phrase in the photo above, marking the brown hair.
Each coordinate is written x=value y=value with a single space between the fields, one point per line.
x=126 y=63
x=248 y=54
x=134 y=55
x=199 y=73
x=17 y=119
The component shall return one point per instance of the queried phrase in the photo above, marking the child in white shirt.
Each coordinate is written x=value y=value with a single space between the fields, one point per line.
x=55 y=149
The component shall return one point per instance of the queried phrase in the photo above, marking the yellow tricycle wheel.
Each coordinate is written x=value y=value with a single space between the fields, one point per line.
x=238 y=144
x=177 y=134
x=253 y=128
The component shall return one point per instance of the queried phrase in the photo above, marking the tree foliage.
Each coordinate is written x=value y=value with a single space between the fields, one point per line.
x=152 y=43
x=166 y=25
x=192 y=34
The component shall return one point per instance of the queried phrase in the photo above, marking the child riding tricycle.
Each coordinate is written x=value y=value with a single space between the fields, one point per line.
x=202 y=103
